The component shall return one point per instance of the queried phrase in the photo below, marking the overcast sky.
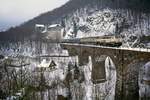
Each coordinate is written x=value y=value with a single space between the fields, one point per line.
x=14 y=12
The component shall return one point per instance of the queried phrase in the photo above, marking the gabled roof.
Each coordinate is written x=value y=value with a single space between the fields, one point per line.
x=52 y=64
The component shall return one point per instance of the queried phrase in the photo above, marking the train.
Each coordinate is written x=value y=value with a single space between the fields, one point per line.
x=111 y=41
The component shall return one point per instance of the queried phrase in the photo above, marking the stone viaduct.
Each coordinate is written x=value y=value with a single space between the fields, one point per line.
x=121 y=58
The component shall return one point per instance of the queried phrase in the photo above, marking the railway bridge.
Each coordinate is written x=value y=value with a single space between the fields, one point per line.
x=122 y=58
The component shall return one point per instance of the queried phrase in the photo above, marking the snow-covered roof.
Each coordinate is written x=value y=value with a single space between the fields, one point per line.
x=39 y=25
x=53 y=25
x=44 y=63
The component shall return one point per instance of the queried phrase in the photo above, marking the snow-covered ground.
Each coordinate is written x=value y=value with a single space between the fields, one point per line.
x=31 y=49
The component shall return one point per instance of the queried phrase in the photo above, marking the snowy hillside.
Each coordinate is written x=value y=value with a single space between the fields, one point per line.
x=92 y=22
